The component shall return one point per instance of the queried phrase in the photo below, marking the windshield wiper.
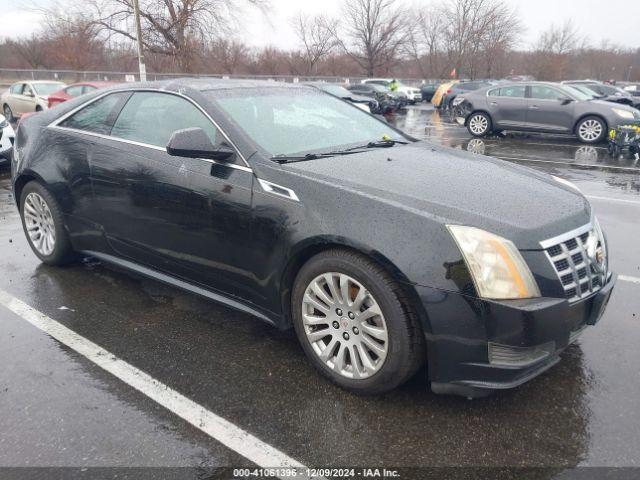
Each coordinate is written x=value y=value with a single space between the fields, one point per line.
x=347 y=151
x=376 y=144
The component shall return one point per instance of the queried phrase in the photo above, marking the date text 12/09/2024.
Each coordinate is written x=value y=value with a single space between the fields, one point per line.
x=315 y=473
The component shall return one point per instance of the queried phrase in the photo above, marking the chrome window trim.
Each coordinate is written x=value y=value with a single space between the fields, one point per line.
x=56 y=124
x=567 y=236
x=269 y=187
x=146 y=145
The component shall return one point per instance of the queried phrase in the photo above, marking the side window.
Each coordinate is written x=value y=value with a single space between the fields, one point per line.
x=151 y=118
x=27 y=90
x=96 y=117
x=74 y=91
x=494 y=93
x=17 y=88
x=541 y=92
x=88 y=88
x=513 y=92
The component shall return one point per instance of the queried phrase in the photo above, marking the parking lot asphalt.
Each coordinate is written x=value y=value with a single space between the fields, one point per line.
x=58 y=408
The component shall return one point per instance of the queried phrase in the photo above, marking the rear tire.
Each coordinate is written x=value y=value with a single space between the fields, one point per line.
x=591 y=130
x=342 y=330
x=43 y=224
x=479 y=124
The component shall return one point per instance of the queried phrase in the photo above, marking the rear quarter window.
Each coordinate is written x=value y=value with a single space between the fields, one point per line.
x=96 y=117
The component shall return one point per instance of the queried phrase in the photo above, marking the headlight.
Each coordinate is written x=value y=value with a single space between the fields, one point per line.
x=3 y=124
x=457 y=101
x=498 y=270
x=623 y=113
x=566 y=183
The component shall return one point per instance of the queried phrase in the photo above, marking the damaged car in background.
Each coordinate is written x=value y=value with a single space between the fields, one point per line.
x=540 y=107
x=383 y=253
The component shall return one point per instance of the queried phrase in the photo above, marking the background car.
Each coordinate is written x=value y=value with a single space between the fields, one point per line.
x=28 y=96
x=7 y=137
x=609 y=93
x=428 y=89
x=368 y=104
x=461 y=88
x=540 y=107
x=385 y=98
x=75 y=90
x=633 y=89
x=412 y=94
x=441 y=92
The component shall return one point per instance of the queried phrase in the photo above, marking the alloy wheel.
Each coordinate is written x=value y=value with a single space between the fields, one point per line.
x=345 y=325
x=39 y=224
x=478 y=124
x=590 y=130
x=8 y=114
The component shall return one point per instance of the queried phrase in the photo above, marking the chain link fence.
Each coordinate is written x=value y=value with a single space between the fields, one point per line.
x=9 y=76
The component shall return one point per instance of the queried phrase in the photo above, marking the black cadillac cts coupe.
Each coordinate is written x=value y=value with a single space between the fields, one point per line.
x=284 y=202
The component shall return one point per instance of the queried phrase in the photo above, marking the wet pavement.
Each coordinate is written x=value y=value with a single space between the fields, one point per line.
x=57 y=408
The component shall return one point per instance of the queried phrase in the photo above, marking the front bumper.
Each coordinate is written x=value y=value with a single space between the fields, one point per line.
x=476 y=346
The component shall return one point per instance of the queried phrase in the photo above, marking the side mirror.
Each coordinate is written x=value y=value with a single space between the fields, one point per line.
x=565 y=100
x=29 y=94
x=195 y=143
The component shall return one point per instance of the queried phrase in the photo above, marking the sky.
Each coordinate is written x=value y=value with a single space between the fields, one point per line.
x=614 y=20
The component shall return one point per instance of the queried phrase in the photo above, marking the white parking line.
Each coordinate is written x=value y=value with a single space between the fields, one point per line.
x=610 y=199
x=626 y=278
x=570 y=163
x=216 y=427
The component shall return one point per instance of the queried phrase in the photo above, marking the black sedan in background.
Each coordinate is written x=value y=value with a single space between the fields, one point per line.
x=382 y=253
x=372 y=105
x=540 y=107
x=387 y=100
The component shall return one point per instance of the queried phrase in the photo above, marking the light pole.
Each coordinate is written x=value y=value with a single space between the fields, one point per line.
x=629 y=73
x=143 y=69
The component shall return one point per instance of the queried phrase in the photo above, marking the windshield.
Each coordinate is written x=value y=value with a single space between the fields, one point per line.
x=579 y=89
x=288 y=121
x=336 y=90
x=576 y=94
x=47 y=88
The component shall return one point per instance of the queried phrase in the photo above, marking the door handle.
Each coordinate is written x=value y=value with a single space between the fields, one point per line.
x=493 y=103
x=534 y=107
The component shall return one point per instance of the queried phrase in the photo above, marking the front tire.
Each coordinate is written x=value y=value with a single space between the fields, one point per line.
x=479 y=124
x=355 y=323
x=591 y=130
x=43 y=225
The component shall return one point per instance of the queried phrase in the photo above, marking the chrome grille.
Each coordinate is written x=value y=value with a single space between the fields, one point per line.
x=580 y=260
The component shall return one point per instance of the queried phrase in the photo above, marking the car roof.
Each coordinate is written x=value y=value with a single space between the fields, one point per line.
x=203 y=85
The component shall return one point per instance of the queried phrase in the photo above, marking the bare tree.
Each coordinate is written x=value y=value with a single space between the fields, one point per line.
x=74 y=41
x=425 y=42
x=175 y=28
x=33 y=50
x=316 y=33
x=553 y=51
x=227 y=55
x=374 y=32
x=474 y=27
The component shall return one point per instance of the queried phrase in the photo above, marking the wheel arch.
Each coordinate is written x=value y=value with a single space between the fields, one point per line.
x=20 y=182
x=312 y=247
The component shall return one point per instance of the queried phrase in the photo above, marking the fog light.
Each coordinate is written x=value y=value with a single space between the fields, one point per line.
x=518 y=357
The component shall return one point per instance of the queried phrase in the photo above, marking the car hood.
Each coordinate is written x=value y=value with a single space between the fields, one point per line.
x=455 y=187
